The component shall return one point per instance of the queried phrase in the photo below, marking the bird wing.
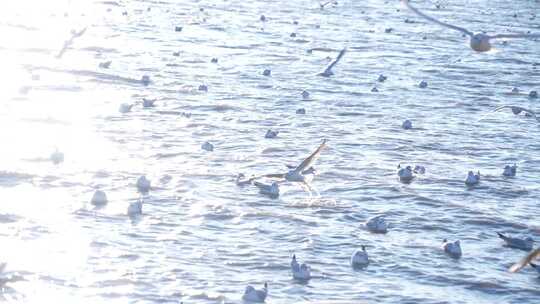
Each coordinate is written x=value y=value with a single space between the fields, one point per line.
x=419 y=13
x=498 y=36
x=526 y=260
x=513 y=107
x=333 y=63
x=308 y=161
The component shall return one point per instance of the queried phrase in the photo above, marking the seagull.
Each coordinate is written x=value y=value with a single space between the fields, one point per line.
x=267 y=72
x=517 y=110
x=423 y=84
x=328 y=71
x=271 y=134
x=143 y=184
x=418 y=169
x=207 y=146
x=405 y=174
x=125 y=108
x=253 y=295
x=242 y=181
x=135 y=208
x=305 y=94
x=99 y=198
x=300 y=272
x=407 y=124
x=145 y=80
x=360 y=258
x=452 y=249
x=323 y=5
x=479 y=42
x=472 y=179
x=271 y=190
x=105 y=64
x=510 y=170
x=523 y=244
x=148 y=103
x=526 y=260
x=298 y=174
x=57 y=157
x=377 y=224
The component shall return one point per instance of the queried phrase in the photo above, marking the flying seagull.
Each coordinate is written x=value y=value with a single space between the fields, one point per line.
x=328 y=71
x=526 y=260
x=516 y=110
x=479 y=42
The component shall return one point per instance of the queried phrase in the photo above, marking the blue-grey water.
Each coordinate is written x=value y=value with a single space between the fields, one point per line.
x=202 y=239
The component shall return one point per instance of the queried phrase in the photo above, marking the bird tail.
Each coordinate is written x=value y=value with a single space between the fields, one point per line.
x=533 y=265
x=502 y=236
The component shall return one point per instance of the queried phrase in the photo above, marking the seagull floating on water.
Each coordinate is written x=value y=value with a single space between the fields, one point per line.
x=145 y=80
x=207 y=146
x=99 y=198
x=301 y=111
x=203 y=88
x=407 y=124
x=510 y=170
x=242 y=181
x=271 y=134
x=523 y=244
x=57 y=157
x=423 y=84
x=452 y=249
x=143 y=184
x=148 y=103
x=105 y=65
x=267 y=72
x=253 y=295
x=533 y=94
x=271 y=190
x=300 y=272
x=382 y=78
x=360 y=258
x=125 y=108
x=472 y=179
x=405 y=174
x=328 y=71
x=418 y=169
x=377 y=224
x=305 y=94
x=479 y=42
x=526 y=260
x=135 y=208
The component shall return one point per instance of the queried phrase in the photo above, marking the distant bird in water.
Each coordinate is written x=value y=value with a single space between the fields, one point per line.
x=472 y=179
x=271 y=190
x=322 y=5
x=253 y=295
x=125 y=108
x=305 y=94
x=523 y=244
x=214 y=60
x=423 y=84
x=374 y=90
x=407 y=124
x=148 y=103
x=453 y=249
x=301 y=111
x=178 y=28
x=382 y=78
x=529 y=258
x=143 y=184
x=418 y=169
x=57 y=157
x=203 y=88
x=328 y=71
x=533 y=94
x=262 y=18
x=267 y=72
x=479 y=42
x=405 y=174
x=135 y=208
x=271 y=134
x=207 y=146
x=300 y=272
x=510 y=170
x=515 y=90
x=99 y=198
x=242 y=181
x=360 y=258
x=105 y=64
x=145 y=80
x=377 y=224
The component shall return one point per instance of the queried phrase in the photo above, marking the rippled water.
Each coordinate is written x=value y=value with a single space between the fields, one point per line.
x=201 y=238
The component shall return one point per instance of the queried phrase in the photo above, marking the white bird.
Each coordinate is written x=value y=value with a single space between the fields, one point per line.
x=57 y=157
x=472 y=179
x=298 y=174
x=143 y=184
x=418 y=169
x=135 y=208
x=360 y=258
x=242 y=181
x=452 y=249
x=510 y=170
x=479 y=42
x=271 y=134
x=300 y=272
x=125 y=108
x=523 y=244
x=148 y=103
x=253 y=295
x=271 y=190
x=407 y=124
x=405 y=174
x=526 y=260
x=207 y=146
x=328 y=71
x=99 y=198
x=377 y=224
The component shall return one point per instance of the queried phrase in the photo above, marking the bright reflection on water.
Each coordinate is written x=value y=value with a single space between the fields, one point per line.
x=201 y=239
